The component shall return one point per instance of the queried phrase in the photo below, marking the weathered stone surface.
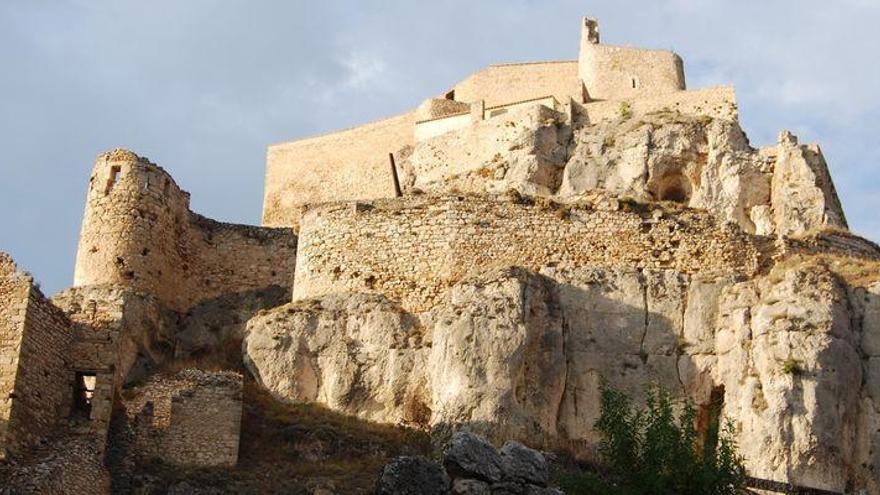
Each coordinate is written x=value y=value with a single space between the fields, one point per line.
x=414 y=475
x=522 y=149
x=516 y=354
x=358 y=354
x=469 y=456
x=788 y=360
x=464 y=486
x=524 y=464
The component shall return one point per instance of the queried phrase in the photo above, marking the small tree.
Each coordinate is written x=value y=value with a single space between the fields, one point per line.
x=650 y=451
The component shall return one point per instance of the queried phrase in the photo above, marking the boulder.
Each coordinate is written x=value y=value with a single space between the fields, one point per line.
x=414 y=475
x=524 y=464
x=463 y=486
x=470 y=456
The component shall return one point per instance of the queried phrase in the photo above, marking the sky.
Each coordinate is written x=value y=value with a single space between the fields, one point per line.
x=201 y=87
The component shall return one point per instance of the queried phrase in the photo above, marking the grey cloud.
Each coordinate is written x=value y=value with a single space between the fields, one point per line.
x=202 y=86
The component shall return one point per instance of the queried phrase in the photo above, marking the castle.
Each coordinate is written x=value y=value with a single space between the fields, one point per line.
x=577 y=172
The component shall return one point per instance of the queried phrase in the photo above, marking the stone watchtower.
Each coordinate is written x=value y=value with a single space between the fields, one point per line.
x=133 y=209
x=617 y=72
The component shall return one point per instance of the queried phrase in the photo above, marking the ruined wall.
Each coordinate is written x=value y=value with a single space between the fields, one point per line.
x=35 y=340
x=15 y=288
x=411 y=249
x=345 y=165
x=505 y=83
x=717 y=102
x=115 y=330
x=190 y=419
x=138 y=232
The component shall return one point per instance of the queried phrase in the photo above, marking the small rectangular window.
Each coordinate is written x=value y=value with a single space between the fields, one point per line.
x=634 y=83
x=113 y=179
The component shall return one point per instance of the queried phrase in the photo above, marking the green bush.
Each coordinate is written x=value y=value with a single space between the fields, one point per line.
x=650 y=451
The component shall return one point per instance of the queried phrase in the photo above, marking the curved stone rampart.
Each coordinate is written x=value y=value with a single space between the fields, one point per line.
x=138 y=232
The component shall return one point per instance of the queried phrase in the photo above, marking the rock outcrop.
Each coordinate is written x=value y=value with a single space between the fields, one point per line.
x=518 y=354
x=699 y=161
x=474 y=466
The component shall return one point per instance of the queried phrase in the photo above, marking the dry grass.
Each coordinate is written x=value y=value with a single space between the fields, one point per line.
x=856 y=272
x=288 y=448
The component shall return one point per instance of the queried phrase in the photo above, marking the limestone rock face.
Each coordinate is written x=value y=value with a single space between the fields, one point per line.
x=497 y=357
x=515 y=354
x=357 y=354
x=699 y=161
x=788 y=359
x=523 y=150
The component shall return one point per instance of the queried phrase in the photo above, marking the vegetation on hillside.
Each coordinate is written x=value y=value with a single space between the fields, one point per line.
x=653 y=451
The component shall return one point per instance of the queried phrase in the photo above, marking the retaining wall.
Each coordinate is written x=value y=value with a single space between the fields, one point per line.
x=412 y=249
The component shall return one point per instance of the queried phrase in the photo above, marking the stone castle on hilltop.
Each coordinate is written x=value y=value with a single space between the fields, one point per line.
x=480 y=261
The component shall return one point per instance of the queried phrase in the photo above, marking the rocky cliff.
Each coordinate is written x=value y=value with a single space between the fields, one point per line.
x=516 y=347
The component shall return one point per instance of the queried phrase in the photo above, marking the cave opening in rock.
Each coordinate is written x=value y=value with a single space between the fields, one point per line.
x=674 y=187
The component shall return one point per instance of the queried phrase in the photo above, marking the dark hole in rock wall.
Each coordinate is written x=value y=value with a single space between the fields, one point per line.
x=709 y=419
x=674 y=187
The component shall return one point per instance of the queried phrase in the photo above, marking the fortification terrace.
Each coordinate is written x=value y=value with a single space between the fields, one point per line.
x=412 y=249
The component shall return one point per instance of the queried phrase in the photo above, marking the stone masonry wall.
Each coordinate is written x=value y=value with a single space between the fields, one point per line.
x=616 y=72
x=412 y=249
x=717 y=102
x=346 y=165
x=115 y=327
x=35 y=342
x=138 y=232
x=190 y=419
x=505 y=83
x=15 y=288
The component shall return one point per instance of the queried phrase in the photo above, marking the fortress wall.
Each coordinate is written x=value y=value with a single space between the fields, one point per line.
x=346 y=165
x=832 y=242
x=716 y=102
x=505 y=83
x=15 y=287
x=114 y=326
x=34 y=339
x=138 y=232
x=435 y=127
x=608 y=72
x=412 y=249
x=237 y=258
x=190 y=419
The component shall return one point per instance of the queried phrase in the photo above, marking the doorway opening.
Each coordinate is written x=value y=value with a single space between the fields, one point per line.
x=83 y=394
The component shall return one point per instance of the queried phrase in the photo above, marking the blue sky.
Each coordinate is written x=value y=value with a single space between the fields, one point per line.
x=201 y=87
